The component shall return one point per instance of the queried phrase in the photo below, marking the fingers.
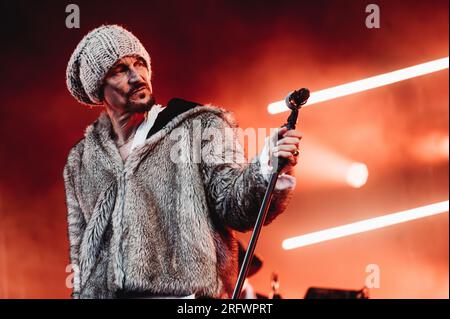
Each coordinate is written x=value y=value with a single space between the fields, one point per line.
x=288 y=155
x=280 y=131
x=289 y=140
x=277 y=133
x=293 y=133
x=285 y=147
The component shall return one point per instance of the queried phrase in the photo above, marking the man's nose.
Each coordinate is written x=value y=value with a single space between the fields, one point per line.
x=134 y=76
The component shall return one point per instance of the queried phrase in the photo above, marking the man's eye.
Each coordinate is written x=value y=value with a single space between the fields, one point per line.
x=119 y=69
x=140 y=63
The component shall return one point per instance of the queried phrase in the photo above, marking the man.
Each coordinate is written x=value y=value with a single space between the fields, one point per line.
x=147 y=217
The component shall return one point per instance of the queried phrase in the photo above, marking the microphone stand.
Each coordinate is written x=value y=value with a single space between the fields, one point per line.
x=294 y=101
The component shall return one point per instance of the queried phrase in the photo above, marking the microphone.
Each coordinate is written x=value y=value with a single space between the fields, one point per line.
x=296 y=99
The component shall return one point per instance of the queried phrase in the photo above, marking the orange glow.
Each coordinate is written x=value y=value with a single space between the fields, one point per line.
x=367 y=84
x=323 y=166
x=357 y=175
x=365 y=225
x=443 y=146
x=431 y=148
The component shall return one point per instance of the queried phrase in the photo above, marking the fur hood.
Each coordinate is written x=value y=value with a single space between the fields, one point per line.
x=156 y=224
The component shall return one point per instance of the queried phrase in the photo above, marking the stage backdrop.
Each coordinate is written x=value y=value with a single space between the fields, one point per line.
x=242 y=55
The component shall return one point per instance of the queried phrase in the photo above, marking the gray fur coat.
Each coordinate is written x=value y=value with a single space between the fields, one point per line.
x=156 y=224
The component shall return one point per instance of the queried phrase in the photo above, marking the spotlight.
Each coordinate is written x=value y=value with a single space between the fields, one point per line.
x=357 y=175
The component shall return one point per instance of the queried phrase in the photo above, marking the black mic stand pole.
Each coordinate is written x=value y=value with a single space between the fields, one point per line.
x=294 y=101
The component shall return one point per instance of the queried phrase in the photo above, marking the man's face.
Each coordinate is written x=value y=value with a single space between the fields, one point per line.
x=127 y=86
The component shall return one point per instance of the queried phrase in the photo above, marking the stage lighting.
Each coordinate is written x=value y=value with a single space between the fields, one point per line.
x=365 y=225
x=367 y=84
x=357 y=175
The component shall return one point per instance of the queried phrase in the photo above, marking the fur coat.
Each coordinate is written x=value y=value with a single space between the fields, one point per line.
x=156 y=224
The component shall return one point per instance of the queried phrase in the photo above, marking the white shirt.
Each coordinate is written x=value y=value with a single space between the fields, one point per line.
x=146 y=125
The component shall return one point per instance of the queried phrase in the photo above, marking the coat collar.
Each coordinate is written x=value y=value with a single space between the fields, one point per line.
x=99 y=136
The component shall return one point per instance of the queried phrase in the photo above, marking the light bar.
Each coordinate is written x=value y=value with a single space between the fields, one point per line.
x=367 y=84
x=365 y=225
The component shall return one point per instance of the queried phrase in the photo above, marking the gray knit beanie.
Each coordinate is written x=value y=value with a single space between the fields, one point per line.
x=95 y=55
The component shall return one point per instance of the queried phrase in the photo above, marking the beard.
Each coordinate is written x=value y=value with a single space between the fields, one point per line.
x=140 y=106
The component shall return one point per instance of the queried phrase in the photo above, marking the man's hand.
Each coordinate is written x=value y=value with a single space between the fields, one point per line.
x=285 y=147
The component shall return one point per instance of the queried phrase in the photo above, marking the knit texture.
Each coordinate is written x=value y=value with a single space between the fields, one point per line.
x=95 y=55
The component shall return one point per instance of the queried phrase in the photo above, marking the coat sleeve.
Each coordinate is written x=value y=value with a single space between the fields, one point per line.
x=76 y=223
x=234 y=187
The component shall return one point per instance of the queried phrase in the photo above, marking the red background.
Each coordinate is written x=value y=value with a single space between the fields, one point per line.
x=243 y=56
